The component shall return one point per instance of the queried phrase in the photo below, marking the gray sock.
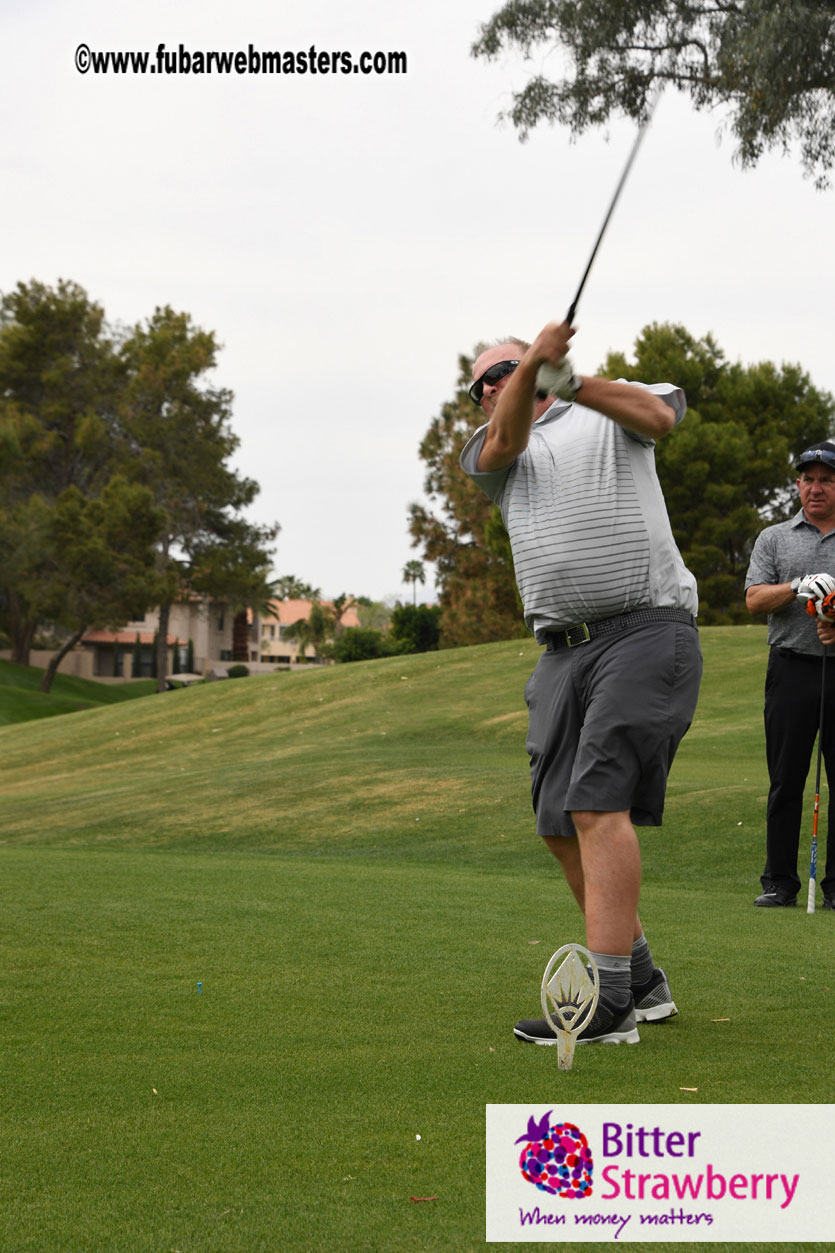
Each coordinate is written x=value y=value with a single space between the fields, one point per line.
x=642 y=963
x=614 y=970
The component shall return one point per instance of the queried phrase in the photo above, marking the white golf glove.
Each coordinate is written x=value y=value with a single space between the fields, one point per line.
x=815 y=587
x=558 y=380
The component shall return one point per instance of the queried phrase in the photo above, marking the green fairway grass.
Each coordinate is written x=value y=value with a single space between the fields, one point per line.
x=21 y=701
x=344 y=861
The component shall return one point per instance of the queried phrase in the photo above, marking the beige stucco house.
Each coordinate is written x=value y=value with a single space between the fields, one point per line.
x=109 y=655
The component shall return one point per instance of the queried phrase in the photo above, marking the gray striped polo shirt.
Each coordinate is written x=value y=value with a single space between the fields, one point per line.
x=587 y=520
x=780 y=553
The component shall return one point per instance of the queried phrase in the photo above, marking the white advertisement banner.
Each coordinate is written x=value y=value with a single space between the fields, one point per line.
x=698 y=1173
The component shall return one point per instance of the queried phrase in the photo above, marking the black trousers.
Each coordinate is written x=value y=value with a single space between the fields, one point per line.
x=792 y=713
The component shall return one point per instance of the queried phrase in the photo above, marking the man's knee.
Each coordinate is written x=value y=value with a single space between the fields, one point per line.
x=564 y=847
x=600 y=822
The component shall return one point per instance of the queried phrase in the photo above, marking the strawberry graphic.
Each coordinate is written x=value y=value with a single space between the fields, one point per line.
x=556 y=1159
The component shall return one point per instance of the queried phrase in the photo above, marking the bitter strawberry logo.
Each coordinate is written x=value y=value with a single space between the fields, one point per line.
x=556 y=1158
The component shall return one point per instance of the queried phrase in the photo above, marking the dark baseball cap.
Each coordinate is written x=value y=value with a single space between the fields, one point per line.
x=823 y=454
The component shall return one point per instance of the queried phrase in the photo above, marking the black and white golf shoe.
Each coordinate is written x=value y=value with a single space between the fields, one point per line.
x=608 y=1026
x=653 y=999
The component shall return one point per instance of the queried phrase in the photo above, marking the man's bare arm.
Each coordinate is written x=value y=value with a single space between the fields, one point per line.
x=635 y=408
x=769 y=597
x=509 y=429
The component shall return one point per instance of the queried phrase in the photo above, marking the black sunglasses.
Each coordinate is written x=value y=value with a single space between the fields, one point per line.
x=811 y=455
x=492 y=375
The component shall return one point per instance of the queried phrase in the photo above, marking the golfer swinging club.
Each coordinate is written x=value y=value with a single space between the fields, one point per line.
x=604 y=588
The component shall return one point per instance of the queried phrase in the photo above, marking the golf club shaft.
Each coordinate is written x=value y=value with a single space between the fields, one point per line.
x=813 y=864
x=573 y=309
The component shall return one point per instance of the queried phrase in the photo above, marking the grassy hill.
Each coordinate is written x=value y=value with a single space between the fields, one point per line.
x=21 y=701
x=260 y=936
x=406 y=757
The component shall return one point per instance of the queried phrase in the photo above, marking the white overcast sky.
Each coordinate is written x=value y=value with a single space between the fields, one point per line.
x=346 y=237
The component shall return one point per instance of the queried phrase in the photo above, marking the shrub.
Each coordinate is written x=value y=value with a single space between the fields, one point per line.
x=416 y=628
x=362 y=644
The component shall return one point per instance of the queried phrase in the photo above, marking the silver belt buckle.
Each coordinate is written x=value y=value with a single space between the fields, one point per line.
x=585 y=635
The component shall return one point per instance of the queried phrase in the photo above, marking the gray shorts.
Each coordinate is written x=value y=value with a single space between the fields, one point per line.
x=606 y=719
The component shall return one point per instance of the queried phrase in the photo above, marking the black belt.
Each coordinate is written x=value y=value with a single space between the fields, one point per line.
x=585 y=631
x=796 y=656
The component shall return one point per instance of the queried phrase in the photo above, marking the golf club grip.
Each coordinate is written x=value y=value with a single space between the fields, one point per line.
x=813 y=860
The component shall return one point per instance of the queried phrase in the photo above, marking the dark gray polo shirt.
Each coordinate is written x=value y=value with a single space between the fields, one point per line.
x=780 y=554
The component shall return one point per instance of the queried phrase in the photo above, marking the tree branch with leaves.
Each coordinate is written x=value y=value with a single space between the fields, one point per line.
x=770 y=64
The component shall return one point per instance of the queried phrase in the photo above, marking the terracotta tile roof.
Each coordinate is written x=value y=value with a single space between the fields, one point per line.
x=286 y=612
x=124 y=637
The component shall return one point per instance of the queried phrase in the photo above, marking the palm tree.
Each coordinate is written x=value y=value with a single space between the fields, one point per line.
x=288 y=587
x=341 y=605
x=255 y=593
x=301 y=632
x=323 y=623
x=413 y=573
